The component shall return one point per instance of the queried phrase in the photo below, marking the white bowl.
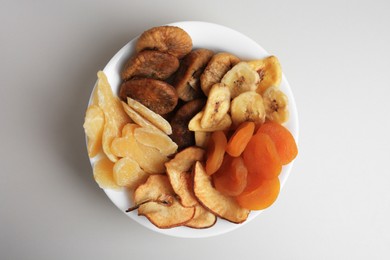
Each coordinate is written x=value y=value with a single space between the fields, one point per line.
x=217 y=38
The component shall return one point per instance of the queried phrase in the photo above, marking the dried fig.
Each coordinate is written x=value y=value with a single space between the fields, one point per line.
x=217 y=67
x=157 y=95
x=169 y=39
x=181 y=135
x=150 y=64
x=187 y=78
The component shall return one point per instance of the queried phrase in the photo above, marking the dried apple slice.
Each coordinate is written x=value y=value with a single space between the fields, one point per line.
x=223 y=206
x=178 y=172
x=154 y=118
x=203 y=218
x=115 y=117
x=155 y=139
x=150 y=197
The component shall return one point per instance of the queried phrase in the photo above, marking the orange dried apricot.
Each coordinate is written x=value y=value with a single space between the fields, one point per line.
x=215 y=152
x=230 y=179
x=283 y=139
x=261 y=197
x=240 y=139
x=261 y=159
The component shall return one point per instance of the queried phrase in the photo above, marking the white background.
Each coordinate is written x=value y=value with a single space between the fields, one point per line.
x=336 y=202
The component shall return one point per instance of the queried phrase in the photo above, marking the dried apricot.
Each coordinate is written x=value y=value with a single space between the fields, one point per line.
x=215 y=152
x=240 y=139
x=261 y=159
x=230 y=179
x=283 y=139
x=262 y=197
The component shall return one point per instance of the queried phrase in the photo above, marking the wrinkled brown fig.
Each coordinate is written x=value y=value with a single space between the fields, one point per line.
x=187 y=78
x=157 y=95
x=155 y=199
x=169 y=39
x=150 y=64
x=179 y=173
x=181 y=135
x=217 y=67
x=223 y=206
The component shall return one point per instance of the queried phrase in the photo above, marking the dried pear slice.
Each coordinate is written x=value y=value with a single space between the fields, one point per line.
x=150 y=64
x=223 y=206
x=217 y=67
x=149 y=196
x=203 y=218
x=169 y=39
x=154 y=118
x=178 y=171
x=155 y=139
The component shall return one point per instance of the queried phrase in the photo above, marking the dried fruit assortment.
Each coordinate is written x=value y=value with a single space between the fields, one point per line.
x=194 y=135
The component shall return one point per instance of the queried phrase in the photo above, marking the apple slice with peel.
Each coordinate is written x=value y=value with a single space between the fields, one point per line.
x=223 y=206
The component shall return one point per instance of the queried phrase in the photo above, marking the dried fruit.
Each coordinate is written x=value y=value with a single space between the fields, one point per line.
x=202 y=138
x=178 y=171
x=230 y=179
x=215 y=152
x=114 y=116
x=103 y=175
x=169 y=39
x=241 y=78
x=93 y=127
x=270 y=72
x=137 y=118
x=240 y=138
x=276 y=105
x=248 y=106
x=261 y=160
x=194 y=124
x=181 y=135
x=283 y=140
x=154 y=118
x=127 y=173
x=203 y=218
x=155 y=139
x=262 y=197
x=223 y=206
x=187 y=79
x=157 y=95
x=217 y=106
x=217 y=67
x=150 y=64
x=151 y=197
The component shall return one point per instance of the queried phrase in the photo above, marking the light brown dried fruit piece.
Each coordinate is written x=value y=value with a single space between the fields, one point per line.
x=93 y=127
x=270 y=72
x=187 y=78
x=103 y=174
x=151 y=196
x=155 y=139
x=169 y=39
x=127 y=173
x=179 y=173
x=194 y=124
x=114 y=116
x=181 y=135
x=203 y=218
x=217 y=67
x=223 y=206
x=157 y=95
x=150 y=64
